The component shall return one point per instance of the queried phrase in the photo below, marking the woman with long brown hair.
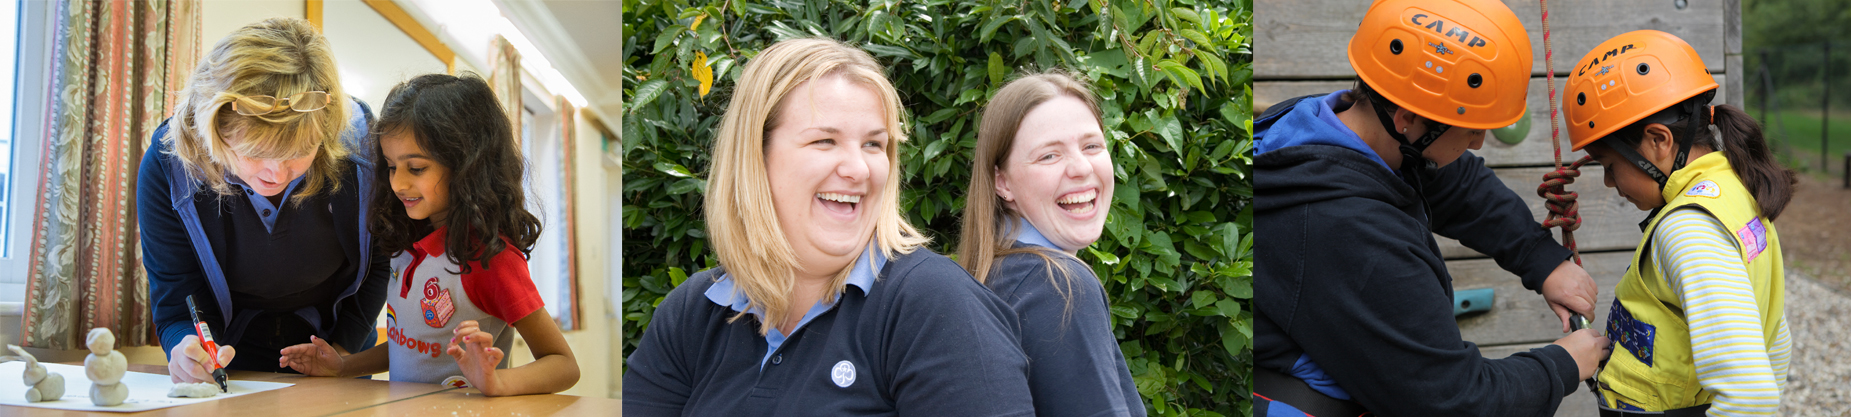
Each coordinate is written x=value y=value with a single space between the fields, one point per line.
x=1041 y=185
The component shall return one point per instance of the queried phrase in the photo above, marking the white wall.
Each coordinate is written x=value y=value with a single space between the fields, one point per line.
x=373 y=54
x=220 y=17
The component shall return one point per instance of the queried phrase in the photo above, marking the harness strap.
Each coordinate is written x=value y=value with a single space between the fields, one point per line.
x=1697 y=411
x=1286 y=389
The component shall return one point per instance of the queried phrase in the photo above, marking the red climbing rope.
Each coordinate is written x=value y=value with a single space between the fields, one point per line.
x=1564 y=212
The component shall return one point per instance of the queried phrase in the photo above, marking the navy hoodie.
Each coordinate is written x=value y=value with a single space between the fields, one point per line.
x=1348 y=277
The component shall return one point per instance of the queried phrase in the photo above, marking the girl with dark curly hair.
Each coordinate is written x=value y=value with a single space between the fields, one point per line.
x=454 y=218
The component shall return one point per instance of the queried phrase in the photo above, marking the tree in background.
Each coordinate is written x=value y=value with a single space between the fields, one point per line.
x=1173 y=77
x=1791 y=34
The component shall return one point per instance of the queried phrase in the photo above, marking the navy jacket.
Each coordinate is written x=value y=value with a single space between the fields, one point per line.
x=928 y=341
x=1348 y=275
x=178 y=255
x=1075 y=366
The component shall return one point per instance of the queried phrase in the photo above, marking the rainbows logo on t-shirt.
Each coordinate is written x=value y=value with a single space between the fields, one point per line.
x=391 y=316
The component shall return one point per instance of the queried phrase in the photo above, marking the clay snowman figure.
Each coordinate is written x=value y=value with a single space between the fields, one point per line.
x=105 y=367
x=45 y=385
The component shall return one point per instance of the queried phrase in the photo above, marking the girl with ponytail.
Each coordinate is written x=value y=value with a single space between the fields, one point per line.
x=1698 y=322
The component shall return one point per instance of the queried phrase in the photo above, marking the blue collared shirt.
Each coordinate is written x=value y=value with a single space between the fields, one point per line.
x=265 y=210
x=866 y=267
x=1027 y=234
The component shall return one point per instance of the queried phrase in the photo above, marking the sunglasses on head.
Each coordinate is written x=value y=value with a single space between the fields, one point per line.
x=306 y=101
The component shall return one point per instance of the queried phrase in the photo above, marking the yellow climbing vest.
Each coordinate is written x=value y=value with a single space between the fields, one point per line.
x=1651 y=367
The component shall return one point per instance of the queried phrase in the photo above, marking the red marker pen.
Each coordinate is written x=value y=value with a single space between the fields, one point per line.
x=211 y=347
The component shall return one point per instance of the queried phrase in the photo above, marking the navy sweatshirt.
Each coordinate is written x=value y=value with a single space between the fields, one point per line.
x=928 y=341
x=1075 y=367
x=346 y=316
x=1348 y=275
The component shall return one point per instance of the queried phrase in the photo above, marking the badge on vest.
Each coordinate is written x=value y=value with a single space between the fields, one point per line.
x=1753 y=237
x=1706 y=188
x=437 y=304
x=1634 y=335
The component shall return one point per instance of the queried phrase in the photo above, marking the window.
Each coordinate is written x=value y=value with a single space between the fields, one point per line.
x=25 y=62
x=9 y=60
x=545 y=152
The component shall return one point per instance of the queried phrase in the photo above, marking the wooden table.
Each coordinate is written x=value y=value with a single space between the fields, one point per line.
x=321 y=396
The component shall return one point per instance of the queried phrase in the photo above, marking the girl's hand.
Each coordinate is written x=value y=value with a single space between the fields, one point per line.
x=187 y=362
x=315 y=358
x=476 y=354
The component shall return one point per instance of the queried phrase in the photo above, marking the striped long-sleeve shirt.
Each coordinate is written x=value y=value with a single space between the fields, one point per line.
x=1699 y=260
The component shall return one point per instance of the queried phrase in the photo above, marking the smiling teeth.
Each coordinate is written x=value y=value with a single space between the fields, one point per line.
x=839 y=198
x=1077 y=198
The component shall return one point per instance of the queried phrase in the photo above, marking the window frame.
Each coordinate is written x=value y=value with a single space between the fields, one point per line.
x=31 y=105
x=543 y=148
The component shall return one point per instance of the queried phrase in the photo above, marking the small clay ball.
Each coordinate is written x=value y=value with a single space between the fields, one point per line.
x=108 y=395
x=101 y=341
x=106 y=369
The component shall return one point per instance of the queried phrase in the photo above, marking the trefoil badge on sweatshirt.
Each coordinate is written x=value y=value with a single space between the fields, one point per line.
x=437 y=304
x=843 y=374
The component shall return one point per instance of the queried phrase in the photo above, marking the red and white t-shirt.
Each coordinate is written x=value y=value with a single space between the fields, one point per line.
x=426 y=299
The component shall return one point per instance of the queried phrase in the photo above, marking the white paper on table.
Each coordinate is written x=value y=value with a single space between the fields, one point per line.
x=146 y=391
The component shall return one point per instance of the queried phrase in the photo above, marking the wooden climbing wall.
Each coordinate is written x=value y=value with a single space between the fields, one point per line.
x=1300 y=48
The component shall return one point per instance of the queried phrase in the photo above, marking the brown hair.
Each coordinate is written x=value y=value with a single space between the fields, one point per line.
x=1742 y=143
x=990 y=227
x=459 y=123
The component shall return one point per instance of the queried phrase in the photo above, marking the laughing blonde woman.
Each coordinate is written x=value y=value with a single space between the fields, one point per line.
x=824 y=302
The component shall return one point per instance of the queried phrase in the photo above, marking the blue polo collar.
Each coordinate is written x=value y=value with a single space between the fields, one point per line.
x=1027 y=234
x=266 y=211
x=870 y=263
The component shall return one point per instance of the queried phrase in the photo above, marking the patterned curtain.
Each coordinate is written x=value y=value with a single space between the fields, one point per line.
x=505 y=77
x=110 y=83
x=568 y=132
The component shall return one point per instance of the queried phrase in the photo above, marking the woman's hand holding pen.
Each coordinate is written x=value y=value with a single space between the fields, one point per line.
x=189 y=363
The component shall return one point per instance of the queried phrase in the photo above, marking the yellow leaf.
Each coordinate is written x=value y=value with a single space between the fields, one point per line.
x=701 y=72
x=697 y=23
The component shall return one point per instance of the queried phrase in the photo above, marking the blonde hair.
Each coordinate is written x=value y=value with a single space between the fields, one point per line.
x=741 y=226
x=277 y=57
x=990 y=227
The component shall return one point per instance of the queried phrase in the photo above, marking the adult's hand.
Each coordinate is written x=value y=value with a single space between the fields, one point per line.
x=1588 y=347
x=1570 y=290
x=187 y=363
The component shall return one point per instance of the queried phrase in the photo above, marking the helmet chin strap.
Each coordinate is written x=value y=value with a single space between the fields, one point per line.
x=1415 y=166
x=1412 y=153
x=1690 y=108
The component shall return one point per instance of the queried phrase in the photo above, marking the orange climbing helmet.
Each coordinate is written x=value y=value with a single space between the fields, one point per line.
x=1464 y=63
x=1628 y=78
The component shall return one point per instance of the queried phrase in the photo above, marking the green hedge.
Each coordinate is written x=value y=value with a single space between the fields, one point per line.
x=1174 y=78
